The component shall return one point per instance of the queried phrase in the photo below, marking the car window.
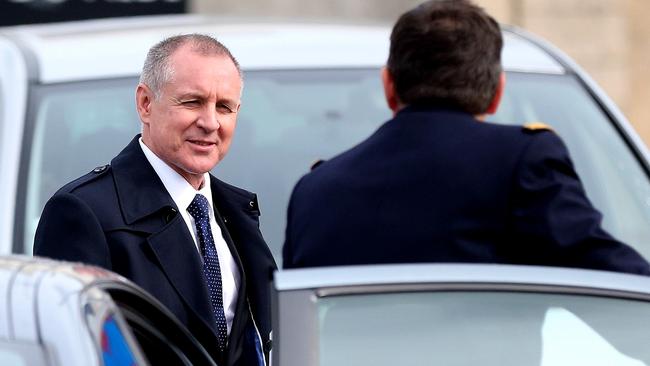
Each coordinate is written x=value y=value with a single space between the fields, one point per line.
x=72 y=129
x=291 y=118
x=482 y=328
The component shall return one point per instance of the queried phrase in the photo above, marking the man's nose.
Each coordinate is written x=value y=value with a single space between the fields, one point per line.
x=209 y=119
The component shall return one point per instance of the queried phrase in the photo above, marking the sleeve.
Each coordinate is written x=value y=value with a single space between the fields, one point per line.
x=554 y=221
x=288 y=253
x=69 y=230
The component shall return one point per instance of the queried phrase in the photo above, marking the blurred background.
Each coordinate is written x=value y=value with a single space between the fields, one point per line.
x=609 y=38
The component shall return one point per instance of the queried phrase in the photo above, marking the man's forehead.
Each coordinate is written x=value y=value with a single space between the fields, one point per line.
x=187 y=64
x=200 y=88
x=188 y=51
x=195 y=88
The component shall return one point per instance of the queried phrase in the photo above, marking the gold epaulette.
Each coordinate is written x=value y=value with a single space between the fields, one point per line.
x=536 y=127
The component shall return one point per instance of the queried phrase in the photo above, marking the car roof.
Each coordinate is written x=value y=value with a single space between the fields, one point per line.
x=108 y=48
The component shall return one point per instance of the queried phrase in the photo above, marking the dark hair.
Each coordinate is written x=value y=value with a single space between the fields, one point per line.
x=446 y=53
x=157 y=70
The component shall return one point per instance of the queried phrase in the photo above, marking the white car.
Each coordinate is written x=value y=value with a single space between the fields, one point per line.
x=59 y=313
x=311 y=91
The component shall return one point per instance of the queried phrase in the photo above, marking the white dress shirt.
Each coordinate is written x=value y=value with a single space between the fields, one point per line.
x=183 y=193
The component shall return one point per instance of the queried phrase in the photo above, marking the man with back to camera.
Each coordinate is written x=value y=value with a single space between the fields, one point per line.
x=435 y=183
x=158 y=217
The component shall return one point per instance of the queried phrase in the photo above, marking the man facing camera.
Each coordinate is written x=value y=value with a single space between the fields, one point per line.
x=436 y=183
x=158 y=217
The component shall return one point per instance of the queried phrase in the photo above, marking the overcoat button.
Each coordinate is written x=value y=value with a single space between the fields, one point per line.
x=171 y=213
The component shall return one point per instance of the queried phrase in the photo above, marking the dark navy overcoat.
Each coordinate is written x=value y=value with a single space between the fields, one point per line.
x=120 y=217
x=435 y=185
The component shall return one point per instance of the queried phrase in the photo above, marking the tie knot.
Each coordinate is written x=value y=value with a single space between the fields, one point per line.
x=199 y=208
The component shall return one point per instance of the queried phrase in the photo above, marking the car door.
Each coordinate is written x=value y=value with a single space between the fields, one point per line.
x=460 y=315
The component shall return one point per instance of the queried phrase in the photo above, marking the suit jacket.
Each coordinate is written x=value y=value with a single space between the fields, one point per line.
x=121 y=217
x=435 y=185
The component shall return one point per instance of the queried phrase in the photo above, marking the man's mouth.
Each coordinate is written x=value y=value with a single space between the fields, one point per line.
x=202 y=146
x=202 y=143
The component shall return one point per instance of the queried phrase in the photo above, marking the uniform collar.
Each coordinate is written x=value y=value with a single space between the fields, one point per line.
x=432 y=108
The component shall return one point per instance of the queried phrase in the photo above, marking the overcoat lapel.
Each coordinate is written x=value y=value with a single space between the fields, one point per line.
x=181 y=263
x=226 y=213
x=147 y=207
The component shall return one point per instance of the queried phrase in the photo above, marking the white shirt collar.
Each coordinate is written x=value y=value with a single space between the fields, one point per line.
x=178 y=188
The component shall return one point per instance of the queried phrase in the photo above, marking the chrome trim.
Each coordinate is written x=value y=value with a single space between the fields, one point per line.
x=413 y=274
x=478 y=287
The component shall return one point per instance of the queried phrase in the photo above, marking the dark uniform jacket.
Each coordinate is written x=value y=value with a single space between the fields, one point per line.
x=121 y=217
x=436 y=185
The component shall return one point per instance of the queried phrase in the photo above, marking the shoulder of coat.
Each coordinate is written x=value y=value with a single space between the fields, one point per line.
x=534 y=127
x=91 y=176
x=316 y=163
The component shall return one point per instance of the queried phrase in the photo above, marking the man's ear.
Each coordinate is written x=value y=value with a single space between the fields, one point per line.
x=143 y=99
x=494 y=105
x=389 y=90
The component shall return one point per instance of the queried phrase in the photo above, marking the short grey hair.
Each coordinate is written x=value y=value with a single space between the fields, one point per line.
x=157 y=70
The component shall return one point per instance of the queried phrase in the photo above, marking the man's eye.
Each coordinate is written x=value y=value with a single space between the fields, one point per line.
x=224 y=108
x=192 y=102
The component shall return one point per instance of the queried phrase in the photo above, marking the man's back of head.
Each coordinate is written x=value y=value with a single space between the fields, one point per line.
x=446 y=53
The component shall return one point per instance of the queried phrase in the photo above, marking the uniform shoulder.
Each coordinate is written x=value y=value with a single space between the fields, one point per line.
x=536 y=127
x=316 y=164
x=522 y=133
x=92 y=176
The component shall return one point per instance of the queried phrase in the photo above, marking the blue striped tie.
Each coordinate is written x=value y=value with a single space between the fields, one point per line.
x=199 y=209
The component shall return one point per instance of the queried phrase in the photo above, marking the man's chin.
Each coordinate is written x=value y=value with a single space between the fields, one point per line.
x=203 y=166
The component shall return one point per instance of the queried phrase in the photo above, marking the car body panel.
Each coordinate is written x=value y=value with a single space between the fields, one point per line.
x=117 y=47
x=56 y=48
x=43 y=303
x=63 y=313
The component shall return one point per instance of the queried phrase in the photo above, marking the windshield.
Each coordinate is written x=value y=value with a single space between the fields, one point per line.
x=291 y=118
x=613 y=178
